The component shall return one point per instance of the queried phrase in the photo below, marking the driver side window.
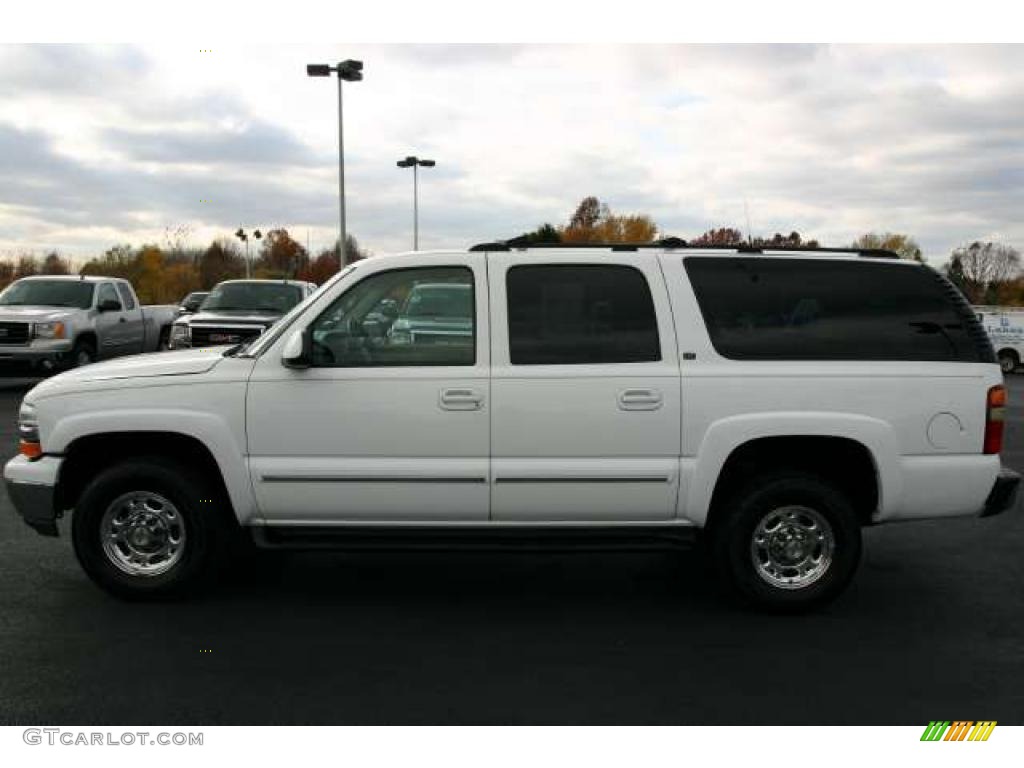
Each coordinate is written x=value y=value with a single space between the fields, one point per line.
x=403 y=317
x=107 y=293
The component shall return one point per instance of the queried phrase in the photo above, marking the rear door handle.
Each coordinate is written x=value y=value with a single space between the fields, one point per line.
x=640 y=399
x=461 y=399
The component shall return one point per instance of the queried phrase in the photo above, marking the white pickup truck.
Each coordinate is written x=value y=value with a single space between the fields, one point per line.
x=773 y=402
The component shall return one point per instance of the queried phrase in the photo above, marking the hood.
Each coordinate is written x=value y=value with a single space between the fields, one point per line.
x=179 y=363
x=34 y=314
x=233 y=316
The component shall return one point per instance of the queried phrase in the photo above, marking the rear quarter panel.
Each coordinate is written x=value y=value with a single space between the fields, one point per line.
x=923 y=422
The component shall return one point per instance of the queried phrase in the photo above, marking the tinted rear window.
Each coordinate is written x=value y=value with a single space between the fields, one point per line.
x=801 y=309
x=568 y=314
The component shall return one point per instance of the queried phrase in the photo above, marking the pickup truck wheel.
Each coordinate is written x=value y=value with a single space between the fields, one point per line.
x=788 y=542
x=1008 y=361
x=147 y=528
x=83 y=353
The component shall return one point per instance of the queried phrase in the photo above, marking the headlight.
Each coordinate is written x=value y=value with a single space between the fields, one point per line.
x=28 y=431
x=181 y=334
x=54 y=330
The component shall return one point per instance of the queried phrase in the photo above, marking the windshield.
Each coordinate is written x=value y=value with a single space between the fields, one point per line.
x=440 y=301
x=261 y=342
x=253 y=297
x=48 y=293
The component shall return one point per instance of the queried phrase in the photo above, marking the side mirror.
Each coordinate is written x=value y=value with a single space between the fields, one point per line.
x=298 y=350
x=109 y=305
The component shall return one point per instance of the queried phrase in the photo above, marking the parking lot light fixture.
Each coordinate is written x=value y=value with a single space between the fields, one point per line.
x=415 y=163
x=350 y=71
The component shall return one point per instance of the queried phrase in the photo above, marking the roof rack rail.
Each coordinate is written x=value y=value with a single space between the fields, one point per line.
x=677 y=243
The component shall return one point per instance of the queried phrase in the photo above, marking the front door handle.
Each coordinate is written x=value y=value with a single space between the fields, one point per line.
x=640 y=399
x=461 y=399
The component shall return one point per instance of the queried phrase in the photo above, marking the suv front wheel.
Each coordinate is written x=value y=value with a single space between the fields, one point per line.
x=787 y=542
x=148 y=528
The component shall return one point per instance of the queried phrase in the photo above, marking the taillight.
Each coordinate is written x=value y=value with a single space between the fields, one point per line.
x=995 y=408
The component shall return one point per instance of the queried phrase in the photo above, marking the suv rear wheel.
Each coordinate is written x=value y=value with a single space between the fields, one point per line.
x=1008 y=360
x=787 y=542
x=148 y=528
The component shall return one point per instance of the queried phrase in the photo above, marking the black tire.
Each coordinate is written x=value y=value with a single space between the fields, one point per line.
x=751 y=574
x=83 y=353
x=164 y=341
x=1008 y=361
x=196 y=505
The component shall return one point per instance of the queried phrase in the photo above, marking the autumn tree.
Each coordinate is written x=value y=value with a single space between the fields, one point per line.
x=119 y=261
x=27 y=266
x=588 y=213
x=281 y=256
x=353 y=251
x=545 y=233
x=778 y=240
x=723 y=236
x=55 y=264
x=149 y=276
x=980 y=270
x=221 y=261
x=593 y=222
x=903 y=246
x=6 y=273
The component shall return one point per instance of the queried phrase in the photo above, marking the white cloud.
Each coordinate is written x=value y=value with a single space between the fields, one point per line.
x=830 y=141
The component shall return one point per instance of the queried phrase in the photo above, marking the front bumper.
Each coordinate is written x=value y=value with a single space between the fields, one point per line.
x=31 y=486
x=1003 y=495
x=39 y=352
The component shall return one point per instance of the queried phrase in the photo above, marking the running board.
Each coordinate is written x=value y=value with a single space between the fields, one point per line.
x=519 y=538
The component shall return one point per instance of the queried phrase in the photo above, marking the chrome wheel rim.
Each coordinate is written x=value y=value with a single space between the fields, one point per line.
x=143 y=534
x=83 y=358
x=792 y=547
x=1007 y=364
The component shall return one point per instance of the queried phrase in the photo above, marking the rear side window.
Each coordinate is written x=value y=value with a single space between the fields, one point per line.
x=803 y=309
x=561 y=314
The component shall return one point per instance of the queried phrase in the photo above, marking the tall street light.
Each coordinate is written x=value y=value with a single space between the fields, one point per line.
x=415 y=163
x=352 y=71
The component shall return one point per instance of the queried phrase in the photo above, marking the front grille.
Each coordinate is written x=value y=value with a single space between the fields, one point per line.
x=14 y=333
x=204 y=335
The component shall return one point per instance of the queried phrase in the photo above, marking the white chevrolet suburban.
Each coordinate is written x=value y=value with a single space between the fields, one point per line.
x=773 y=402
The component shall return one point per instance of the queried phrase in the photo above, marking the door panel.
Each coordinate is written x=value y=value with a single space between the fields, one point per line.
x=398 y=441
x=132 y=327
x=111 y=326
x=584 y=440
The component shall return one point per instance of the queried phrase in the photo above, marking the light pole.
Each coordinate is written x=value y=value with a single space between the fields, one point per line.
x=415 y=163
x=242 y=235
x=352 y=71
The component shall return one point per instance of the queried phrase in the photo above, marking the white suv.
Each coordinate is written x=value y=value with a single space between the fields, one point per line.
x=777 y=402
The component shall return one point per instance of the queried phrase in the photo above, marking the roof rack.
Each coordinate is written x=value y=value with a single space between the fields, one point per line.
x=520 y=243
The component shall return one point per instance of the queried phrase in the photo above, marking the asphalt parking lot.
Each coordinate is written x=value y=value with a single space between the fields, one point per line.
x=933 y=628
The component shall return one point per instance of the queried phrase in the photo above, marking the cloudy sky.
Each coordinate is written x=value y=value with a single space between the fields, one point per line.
x=108 y=144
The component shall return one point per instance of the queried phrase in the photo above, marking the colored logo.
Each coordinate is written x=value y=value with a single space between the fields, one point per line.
x=959 y=730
